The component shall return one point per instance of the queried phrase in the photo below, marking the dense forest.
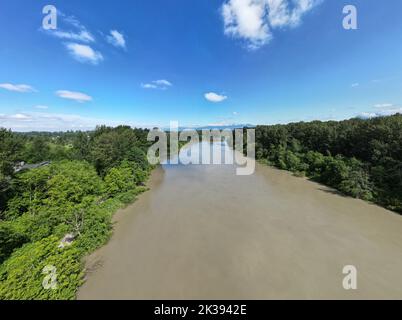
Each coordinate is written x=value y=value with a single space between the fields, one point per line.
x=78 y=180
x=360 y=158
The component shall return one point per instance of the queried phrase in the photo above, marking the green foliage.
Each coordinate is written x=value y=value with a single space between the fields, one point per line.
x=30 y=189
x=81 y=146
x=21 y=276
x=315 y=163
x=10 y=149
x=60 y=152
x=113 y=146
x=361 y=158
x=120 y=179
x=55 y=193
x=40 y=206
x=97 y=226
x=10 y=239
x=334 y=171
x=37 y=150
x=387 y=179
x=357 y=185
x=72 y=181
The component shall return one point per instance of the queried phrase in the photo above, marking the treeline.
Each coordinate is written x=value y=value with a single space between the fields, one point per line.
x=360 y=158
x=90 y=175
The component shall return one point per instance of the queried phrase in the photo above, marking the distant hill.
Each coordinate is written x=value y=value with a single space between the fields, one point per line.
x=219 y=127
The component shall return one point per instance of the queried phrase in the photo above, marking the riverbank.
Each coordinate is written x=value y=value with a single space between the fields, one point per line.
x=52 y=216
x=359 y=158
x=56 y=266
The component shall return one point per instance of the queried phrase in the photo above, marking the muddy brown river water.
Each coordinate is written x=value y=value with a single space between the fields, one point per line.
x=202 y=232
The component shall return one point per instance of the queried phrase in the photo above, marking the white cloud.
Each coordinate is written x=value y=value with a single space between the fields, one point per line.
x=23 y=88
x=80 y=33
x=117 y=39
x=390 y=112
x=20 y=116
x=235 y=113
x=381 y=113
x=355 y=85
x=41 y=107
x=76 y=96
x=72 y=21
x=219 y=124
x=48 y=122
x=223 y=124
x=367 y=115
x=245 y=19
x=284 y=13
x=255 y=20
x=214 y=97
x=157 y=84
x=162 y=83
x=148 y=86
x=383 y=105
x=84 y=53
x=79 y=37
x=82 y=36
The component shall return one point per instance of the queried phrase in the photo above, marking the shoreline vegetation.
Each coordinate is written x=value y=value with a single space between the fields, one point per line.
x=359 y=158
x=90 y=176
x=83 y=178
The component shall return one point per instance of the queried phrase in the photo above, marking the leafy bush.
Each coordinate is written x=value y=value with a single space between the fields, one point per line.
x=315 y=163
x=40 y=206
x=119 y=180
x=10 y=239
x=357 y=184
x=21 y=276
x=334 y=171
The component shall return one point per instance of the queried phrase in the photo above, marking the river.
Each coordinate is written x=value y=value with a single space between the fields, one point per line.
x=202 y=232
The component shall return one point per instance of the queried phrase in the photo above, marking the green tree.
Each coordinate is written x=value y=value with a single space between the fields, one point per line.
x=10 y=153
x=10 y=239
x=81 y=146
x=37 y=150
x=119 y=180
x=110 y=147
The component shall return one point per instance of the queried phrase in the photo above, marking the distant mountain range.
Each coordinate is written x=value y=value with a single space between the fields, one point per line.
x=223 y=127
x=217 y=127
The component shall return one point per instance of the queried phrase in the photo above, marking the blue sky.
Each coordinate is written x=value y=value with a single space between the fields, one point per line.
x=147 y=62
